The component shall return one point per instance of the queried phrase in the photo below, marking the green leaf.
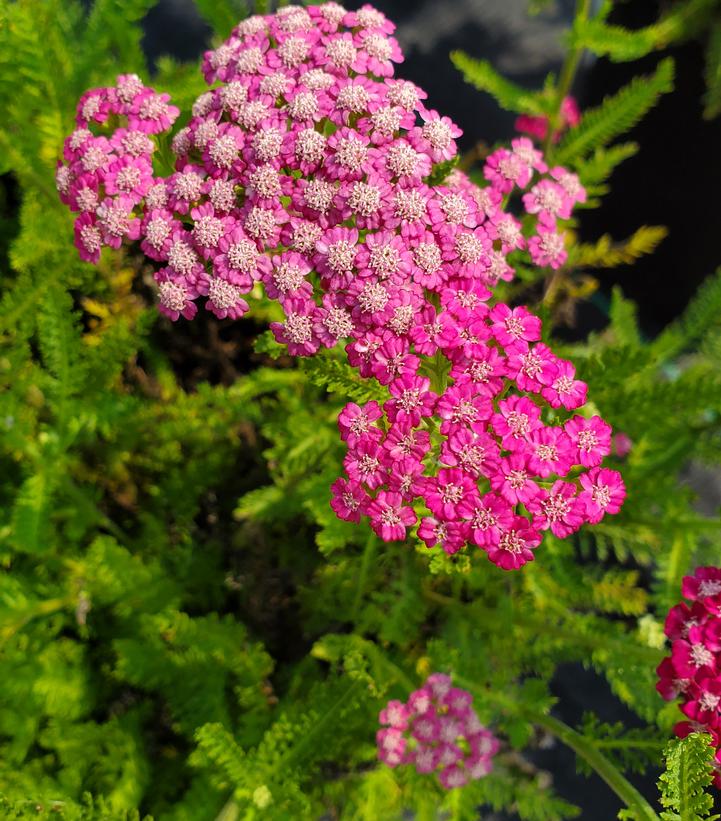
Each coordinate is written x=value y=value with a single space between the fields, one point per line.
x=621 y=45
x=441 y=170
x=606 y=253
x=615 y=42
x=688 y=773
x=222 y=15
x=624 y=319
x=508 y=95
x=601 y=164
x=339 y=377
x=266 y=343
x=702 y=314
x=29 y=519
x=60 y=341
x=616 y=115
x=712 y=98
x=629 y=749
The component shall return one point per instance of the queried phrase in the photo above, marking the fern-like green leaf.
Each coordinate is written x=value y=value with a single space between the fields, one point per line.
x=615 y=115
x=339 y=377
x=683 y=784
x=630 y=749
x=624 y=319
x=606 y=253
x=620 y=44
x=600 y=165
x=29 y=518
x=617 y=591
x=223 y=15
x=617 y=43
x=60 y=341
x=508 y=95
x=701 y=314
x=266 y=343
x=217 y=745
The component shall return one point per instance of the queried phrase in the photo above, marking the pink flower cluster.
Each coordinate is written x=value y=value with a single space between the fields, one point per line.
x=693 y=670
x=309 y=168
x=538 y=126
x=108 y=178
x=437 y=729
x=305 y=167
x=492 y=465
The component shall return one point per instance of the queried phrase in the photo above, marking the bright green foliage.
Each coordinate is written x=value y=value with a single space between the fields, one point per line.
x=88 y=809
x=223 y=15
x=605 y=253
x=187 y=631
x=682 y=20
x=616 y=115
x=330 y=371
x=615 y=42
x=598 y=167
x=688 y=774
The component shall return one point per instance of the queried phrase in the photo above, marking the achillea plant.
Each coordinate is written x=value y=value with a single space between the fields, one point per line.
x=314 y=171
x=232 y=558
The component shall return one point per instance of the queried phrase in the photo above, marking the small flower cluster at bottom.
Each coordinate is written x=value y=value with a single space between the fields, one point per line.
x=693 y=670
x=437 y=729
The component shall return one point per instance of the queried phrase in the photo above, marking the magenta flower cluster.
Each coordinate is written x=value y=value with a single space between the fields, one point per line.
x=478 y=454
x=693 y=670
x=309 y=168
x=306 y=165
x=108 y=178
x=437 y=729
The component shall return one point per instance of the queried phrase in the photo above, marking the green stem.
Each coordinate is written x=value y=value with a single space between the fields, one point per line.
x=568 y=73
x=584 y=748
x=581 y=745
x=554 y=286
x=368 y=555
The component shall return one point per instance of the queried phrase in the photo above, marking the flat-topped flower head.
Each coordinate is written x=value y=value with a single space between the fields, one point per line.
x=437 y=730
x=501 y=472
x=306 y=167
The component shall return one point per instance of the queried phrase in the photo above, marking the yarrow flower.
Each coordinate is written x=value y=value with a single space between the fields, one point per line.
x=692 y=673
x=437 y=730
x=506 y=456
x=306 y=167
x=107 y=178
x=254 y=164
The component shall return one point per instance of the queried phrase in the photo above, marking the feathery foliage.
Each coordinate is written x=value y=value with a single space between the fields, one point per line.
x=508 y=95
x=684 y=782
x=187 y=631
x=616 y=115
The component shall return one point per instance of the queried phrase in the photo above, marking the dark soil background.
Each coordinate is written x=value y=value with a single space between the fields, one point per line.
x=667 y=183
